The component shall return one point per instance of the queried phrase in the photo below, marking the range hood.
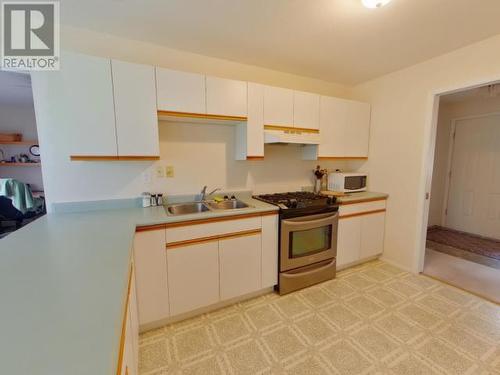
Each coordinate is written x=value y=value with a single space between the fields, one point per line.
x=291 y=136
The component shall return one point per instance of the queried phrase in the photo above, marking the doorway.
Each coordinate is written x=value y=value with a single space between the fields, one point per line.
x=463 y=231
x=21 y=185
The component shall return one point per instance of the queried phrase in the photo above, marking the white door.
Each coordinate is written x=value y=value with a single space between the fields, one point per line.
x=180 y=91
x=226 y=97
x=151 y=276
x=80 y=96
x=305 y=110
x=240 y=264
x=278 y=106
x=333 y=120
x=474 y=188
x=135 y=107
x=348 y=241
x=372 y=235
x=193 y=276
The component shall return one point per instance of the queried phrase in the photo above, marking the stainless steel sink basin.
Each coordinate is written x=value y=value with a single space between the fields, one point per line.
x=186 y=208
x=227 y=205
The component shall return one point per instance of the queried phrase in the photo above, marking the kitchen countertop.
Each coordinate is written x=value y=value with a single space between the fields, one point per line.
x=364 y=196
x=63 y=282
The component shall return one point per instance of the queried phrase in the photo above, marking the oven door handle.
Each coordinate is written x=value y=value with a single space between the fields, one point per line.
x=312 y=271
x=314 y=222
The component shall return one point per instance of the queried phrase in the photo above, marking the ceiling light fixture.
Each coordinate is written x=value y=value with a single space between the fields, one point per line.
x=375 y=3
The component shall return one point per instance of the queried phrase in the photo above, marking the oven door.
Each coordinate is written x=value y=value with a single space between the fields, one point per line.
x=307 y=240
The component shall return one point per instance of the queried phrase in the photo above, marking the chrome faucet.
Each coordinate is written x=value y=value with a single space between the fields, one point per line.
x=204 y=194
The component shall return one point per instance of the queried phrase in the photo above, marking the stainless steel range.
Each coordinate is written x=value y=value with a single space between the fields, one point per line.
x=308 y=238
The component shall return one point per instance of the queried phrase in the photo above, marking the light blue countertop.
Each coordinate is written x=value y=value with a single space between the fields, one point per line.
x=63 y=280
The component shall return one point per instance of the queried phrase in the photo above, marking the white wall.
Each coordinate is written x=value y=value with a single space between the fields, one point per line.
x=20 y=118
x=447 y=113
x=402 y=111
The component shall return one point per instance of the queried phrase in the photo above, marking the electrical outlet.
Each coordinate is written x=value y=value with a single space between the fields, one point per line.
x=146 y=176
x=169 y=170
x=160 y=172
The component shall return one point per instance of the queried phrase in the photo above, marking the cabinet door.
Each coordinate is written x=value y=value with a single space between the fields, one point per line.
x=226 y=97
x=180 y=91
x=134 y=326
x=372 y=235
x=193 y=276
x=135 y=108
x=151 y=276
x=269 y=250
x=349 y=241
x=357 y=129
x=130 y=339
x=305 y=110
x=333 y=120
x=278 y=106
x=240 y=263
x=75 y=104
x=250 y=135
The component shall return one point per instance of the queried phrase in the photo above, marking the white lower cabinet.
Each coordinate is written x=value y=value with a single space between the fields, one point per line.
x=270 y=228
x=151 y=276
x=349 y=241
x=360 y=232
x=240 y=265
x=193 y=276
x=187 y=267
x=372 y=235
x=129 y=343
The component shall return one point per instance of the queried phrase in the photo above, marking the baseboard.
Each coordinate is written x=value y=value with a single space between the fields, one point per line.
x=396 y=264
x=356 y=263
x=203 y=310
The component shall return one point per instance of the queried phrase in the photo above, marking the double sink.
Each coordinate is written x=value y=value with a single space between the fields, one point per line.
x=197 y=207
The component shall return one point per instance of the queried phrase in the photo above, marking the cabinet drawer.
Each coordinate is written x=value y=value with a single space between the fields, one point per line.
x=217 y=228
x=357 y=208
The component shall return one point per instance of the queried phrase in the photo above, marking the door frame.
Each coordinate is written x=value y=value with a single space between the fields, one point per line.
x=428 y=160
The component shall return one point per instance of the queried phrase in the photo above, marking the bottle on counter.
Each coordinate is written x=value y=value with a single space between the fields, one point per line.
x=154 y=200
x=159 y=199
x=146 y=199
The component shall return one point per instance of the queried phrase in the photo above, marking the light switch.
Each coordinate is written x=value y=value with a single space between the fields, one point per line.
x=169 y=170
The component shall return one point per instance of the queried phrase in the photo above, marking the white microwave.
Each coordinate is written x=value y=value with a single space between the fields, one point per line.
x=347 y=182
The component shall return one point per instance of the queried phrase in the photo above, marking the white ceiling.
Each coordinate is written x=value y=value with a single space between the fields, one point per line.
x=335 y=40
x=15 y=88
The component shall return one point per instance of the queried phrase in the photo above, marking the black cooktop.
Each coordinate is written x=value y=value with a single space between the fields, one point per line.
x=298 y=199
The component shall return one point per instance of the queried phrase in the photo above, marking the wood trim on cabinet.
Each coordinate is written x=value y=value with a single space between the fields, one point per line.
x=202 y=115
x=362 y=201
x=124 y=323
x=290 y=128
x=255 y=157
x=362 y=213
x=112 y=158
x=173 y=245
x=342 y=157
x=146 y=228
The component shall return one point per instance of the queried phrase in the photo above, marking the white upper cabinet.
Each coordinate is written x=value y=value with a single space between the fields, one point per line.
x=78 y=100
x=180 y=91
x=306 y=110
x=250 y=135
x=278 y=106
x=357 y=131
x=135 y=108
x=344 y=128
x=226 y=97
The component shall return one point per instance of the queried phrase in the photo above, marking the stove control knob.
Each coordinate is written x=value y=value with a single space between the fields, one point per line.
x=292 y=203
x=331 y=200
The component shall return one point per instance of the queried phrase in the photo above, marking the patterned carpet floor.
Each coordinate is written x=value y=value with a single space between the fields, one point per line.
x=372 y=319
x=465 y=241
